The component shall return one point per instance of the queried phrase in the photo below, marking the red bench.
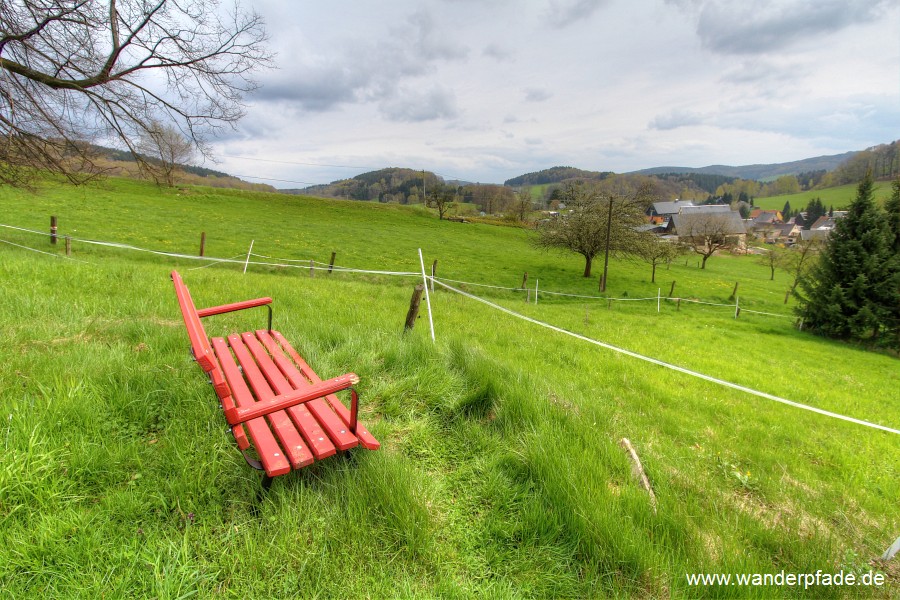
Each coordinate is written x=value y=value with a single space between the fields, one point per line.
x=272 y=399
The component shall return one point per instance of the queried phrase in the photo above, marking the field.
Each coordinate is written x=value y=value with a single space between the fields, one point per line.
x=838 y=197
x=500 y=473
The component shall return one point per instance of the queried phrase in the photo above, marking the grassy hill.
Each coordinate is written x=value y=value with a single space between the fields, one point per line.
x=500 y=473
x=839 y=197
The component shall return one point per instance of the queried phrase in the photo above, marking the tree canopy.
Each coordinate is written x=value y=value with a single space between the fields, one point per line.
x=592 y=222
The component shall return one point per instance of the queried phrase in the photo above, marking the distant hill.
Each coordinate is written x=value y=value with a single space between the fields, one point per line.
x=761 y=172
x=555 y=175
x=121 y=163
x=393 y=184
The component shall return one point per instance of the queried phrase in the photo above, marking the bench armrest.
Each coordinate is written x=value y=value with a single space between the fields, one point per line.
x=238 y=415
x=224 y=308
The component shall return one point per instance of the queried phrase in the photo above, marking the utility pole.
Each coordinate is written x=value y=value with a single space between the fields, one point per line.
x=606 y=254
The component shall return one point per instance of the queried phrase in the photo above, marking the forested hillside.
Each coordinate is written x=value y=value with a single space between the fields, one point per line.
x=555 y=175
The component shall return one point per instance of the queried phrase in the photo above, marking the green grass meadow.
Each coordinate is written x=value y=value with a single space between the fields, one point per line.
x=500 y=473
x=838 y=197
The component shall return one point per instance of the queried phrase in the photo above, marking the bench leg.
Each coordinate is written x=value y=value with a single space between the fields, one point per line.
x=354 y=409
x=266 y=483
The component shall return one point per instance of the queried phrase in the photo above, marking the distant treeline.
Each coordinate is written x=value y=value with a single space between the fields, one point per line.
x=409 y=186
x=883 y=160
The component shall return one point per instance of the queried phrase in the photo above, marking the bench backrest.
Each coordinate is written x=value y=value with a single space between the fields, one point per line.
x=203 y=351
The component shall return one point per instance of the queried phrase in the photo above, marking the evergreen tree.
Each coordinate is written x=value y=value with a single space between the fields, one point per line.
x=892 y=208
x=814 y=210
x=853 y=291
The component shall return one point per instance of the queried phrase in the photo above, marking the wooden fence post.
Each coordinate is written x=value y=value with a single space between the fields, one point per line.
x=312 y=269
x=331 y=263
x=678 y=305
x=672 y=289
x=524 y=279
x=735 y=290
x=202 y=243
x=53 y=230
x=413 y=312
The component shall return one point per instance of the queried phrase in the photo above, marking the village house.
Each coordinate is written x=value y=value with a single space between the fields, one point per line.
x=693 y=224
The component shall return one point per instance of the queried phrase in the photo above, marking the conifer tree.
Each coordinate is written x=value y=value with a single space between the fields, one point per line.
x=853 y=291
x=892 y=208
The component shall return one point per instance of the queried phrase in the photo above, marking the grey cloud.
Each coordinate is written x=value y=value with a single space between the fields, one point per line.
x=363 y=71
x=315 y=86
x=562 y=14
x=676 y=118
x=537 y=95
x=757 y=71
x=430 y=42
x=498 y=53
x=762 y=27
x=861 y=117
x=864 y=118
x=412 y=106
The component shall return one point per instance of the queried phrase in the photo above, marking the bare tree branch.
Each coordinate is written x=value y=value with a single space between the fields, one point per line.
x=87 y=70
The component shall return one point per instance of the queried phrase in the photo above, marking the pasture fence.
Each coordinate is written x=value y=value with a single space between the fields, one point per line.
x=294 y=263
x=264 y=260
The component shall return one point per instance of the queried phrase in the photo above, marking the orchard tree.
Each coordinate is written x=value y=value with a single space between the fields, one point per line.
x=772 y=258
x=594 y=222
x=441 y=197
x=656 y=251
x=798 y=261
x=853 y=291
x=708 y=232
x=168 y=148
x=76 y=71
x=523 y=204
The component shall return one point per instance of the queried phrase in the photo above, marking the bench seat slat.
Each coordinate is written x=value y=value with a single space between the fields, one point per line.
x=304 y=417
x=366 y=439
x=338 y=431
x=270 y=454
x=291 y=441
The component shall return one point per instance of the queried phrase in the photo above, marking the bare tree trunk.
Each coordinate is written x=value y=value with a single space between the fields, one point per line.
x=587 y=265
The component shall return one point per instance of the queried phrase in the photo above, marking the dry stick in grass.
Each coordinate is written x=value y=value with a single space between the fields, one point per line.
x=637 y=470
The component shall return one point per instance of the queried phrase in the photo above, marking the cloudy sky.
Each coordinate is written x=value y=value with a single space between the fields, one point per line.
x=484 y=90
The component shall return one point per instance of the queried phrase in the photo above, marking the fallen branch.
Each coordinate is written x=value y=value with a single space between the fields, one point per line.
x=637 y=470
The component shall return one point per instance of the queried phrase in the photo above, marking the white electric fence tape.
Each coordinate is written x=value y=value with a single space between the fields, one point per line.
x=671 y=366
